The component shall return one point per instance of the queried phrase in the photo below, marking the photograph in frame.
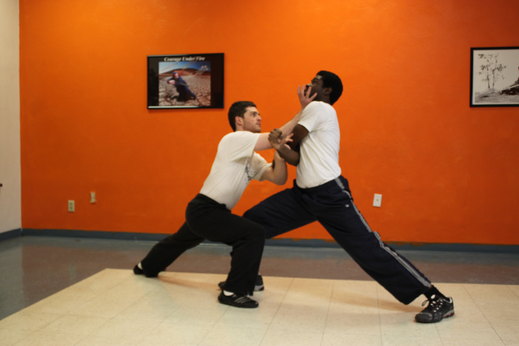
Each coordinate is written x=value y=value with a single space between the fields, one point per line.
x=494 y=78
x=185 y=81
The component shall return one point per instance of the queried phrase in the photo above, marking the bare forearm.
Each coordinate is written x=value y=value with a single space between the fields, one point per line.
x=289 y=126
x=289 y=155
x=279 y=170
x=305 y=98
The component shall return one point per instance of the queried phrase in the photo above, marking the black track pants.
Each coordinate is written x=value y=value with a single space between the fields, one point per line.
x=332 y=205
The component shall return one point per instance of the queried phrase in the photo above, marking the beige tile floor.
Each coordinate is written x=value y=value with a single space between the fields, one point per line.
x=115 y=307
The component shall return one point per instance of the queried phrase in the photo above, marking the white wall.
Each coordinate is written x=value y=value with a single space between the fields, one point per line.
x=10 y=193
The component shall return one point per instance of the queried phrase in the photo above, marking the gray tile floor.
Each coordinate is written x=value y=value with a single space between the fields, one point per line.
x=35 y=267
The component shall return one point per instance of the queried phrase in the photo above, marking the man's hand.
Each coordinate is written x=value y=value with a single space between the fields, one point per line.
x=277 y=140
x=303 y=92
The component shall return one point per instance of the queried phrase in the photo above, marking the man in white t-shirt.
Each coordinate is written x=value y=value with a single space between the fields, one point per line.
x=321 y=194
x=208 y=215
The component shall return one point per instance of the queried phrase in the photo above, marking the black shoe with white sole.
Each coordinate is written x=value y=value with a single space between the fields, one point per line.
x=437 y=309
x=238 y=301
x=138 y=271
x=258 y=286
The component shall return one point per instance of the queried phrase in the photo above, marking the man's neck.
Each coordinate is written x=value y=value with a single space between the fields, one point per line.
x=323 y=99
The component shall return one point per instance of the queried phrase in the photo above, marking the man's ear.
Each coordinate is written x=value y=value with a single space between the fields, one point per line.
x=327 y=91
x=238 y=121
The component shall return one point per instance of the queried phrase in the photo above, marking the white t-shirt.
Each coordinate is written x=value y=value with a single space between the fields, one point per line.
x=319 y=150
x=234 y=166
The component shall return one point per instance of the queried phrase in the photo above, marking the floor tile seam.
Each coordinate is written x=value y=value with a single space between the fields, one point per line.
x=494 y=329
x=77 y=308
x=212 y=328
x=17 y=338
x=64 y=315
x=55 y=317
x=66 y=332
x=94 y=332
x=515 y=292
x=331 y=295
x=28 y=333
x=381 y=336
x=137 y=297
x=482 y=313
x=277 y=311
x=33 y=332
x=213 y=325
x=123 y=304
x=120 y=308
x=77 y=283
x=60 y=333
x=124 y=313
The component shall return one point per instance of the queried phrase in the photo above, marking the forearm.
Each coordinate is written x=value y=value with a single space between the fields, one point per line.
x=289 y=155
x=279 y=170
x=263 y=141
x=305 y=97
x=289 y=126
x=277 y=173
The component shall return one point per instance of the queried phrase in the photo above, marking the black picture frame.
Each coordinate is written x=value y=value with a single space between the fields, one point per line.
x=494 y=77
x=186 y=81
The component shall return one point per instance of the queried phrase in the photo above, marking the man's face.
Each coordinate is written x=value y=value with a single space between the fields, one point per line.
x=317 y=87
x=252 y=120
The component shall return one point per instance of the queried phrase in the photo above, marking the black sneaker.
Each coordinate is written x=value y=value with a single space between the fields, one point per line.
x=238 y=301
x=258 y=286
x=137 y=270
x=437 y=309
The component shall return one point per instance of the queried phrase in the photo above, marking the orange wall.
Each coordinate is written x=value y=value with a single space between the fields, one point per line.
x=447 y=172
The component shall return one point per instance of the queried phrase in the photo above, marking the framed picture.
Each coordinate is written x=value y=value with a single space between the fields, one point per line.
x=494 y=79
x=185 y=81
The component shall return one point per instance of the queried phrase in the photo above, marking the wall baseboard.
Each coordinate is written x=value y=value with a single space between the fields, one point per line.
x=91 y=234
x=406 y=246
x=313 y=243
x=11 y=234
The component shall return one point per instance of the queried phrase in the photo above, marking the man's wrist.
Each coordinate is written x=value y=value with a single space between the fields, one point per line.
x=278 y=155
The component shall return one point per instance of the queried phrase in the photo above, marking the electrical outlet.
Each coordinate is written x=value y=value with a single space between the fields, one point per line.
x=377 y=200
x=71 y=206
x=93 y=197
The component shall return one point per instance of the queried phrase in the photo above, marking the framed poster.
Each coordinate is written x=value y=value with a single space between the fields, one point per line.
x=185 y=81
x=494 y=79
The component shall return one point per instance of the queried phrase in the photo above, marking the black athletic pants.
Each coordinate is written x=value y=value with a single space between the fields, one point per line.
x=332 y=205
x=208 y=219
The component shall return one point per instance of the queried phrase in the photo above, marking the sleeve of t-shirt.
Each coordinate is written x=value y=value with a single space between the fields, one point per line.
x=310 y=118
x=259 y=165
x=238 y=145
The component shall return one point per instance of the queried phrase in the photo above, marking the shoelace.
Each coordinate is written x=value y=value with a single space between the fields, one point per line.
x=434 y=304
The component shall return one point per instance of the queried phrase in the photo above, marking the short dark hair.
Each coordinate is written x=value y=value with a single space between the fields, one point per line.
x=238 y=109
x=331 y=80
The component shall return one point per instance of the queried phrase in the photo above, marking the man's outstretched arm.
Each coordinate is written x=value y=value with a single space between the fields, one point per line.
x=288 y=149
x=277 y=173
x=304 y=99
